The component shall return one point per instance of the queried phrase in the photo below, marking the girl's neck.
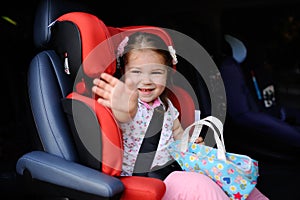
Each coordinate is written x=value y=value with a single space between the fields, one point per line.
x=152 y=104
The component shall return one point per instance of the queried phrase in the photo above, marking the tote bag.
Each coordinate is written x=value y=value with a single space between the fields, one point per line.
x=236 y=174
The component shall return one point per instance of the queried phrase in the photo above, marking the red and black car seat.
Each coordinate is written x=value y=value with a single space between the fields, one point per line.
x=77 y=37
x=87 y=47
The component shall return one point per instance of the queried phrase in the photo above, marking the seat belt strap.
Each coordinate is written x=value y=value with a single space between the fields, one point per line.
x=150 y=142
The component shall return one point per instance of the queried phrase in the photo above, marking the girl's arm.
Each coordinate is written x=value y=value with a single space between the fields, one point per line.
x=113 y=93
x=177 y=129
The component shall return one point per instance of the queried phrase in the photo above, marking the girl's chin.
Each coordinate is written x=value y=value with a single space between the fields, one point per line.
x=147 y=100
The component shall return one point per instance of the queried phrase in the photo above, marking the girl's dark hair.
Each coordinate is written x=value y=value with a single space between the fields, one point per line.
x=143 y=40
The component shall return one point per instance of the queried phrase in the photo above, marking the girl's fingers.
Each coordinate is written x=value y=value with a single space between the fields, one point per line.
x=102 y=85
x=109 y=79
x=104 y=102
x=199 y=140
x=104 y=94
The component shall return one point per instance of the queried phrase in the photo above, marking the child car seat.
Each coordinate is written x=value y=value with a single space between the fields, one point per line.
x=249 y=128
x=56 y=170
x=61 y=165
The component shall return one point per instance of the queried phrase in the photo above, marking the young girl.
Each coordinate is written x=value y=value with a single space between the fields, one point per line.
x=146 y=63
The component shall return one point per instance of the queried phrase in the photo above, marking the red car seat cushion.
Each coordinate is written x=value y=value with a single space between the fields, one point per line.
x=135 y=188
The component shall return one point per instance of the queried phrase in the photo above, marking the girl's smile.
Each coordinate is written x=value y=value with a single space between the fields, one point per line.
x=145 y=90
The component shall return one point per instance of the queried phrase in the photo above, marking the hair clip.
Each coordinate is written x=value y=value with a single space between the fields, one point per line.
x=173 y=54
x=122 y=46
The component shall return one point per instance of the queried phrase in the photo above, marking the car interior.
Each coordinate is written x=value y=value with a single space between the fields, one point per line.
x=57 y=142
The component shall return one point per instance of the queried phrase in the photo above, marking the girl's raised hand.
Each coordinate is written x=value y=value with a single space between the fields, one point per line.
x=121 y=97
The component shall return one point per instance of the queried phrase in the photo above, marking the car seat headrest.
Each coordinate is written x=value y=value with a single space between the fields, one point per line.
x=82 y=41
x=239 y=50
x=97 y=50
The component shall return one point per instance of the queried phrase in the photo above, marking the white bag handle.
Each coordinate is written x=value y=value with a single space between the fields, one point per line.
x=209 y=121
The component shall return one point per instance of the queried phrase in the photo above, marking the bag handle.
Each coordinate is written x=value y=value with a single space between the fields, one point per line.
x=209 y=121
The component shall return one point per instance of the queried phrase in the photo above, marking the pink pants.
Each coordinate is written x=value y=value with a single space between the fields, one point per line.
x=194 y=186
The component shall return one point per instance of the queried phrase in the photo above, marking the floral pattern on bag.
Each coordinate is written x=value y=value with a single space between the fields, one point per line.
x=236 y=175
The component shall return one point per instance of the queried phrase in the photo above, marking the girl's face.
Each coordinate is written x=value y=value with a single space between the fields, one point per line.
x=148 y=71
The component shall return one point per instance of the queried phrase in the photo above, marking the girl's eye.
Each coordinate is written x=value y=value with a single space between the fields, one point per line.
x=135 y=71
x=157 y=72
